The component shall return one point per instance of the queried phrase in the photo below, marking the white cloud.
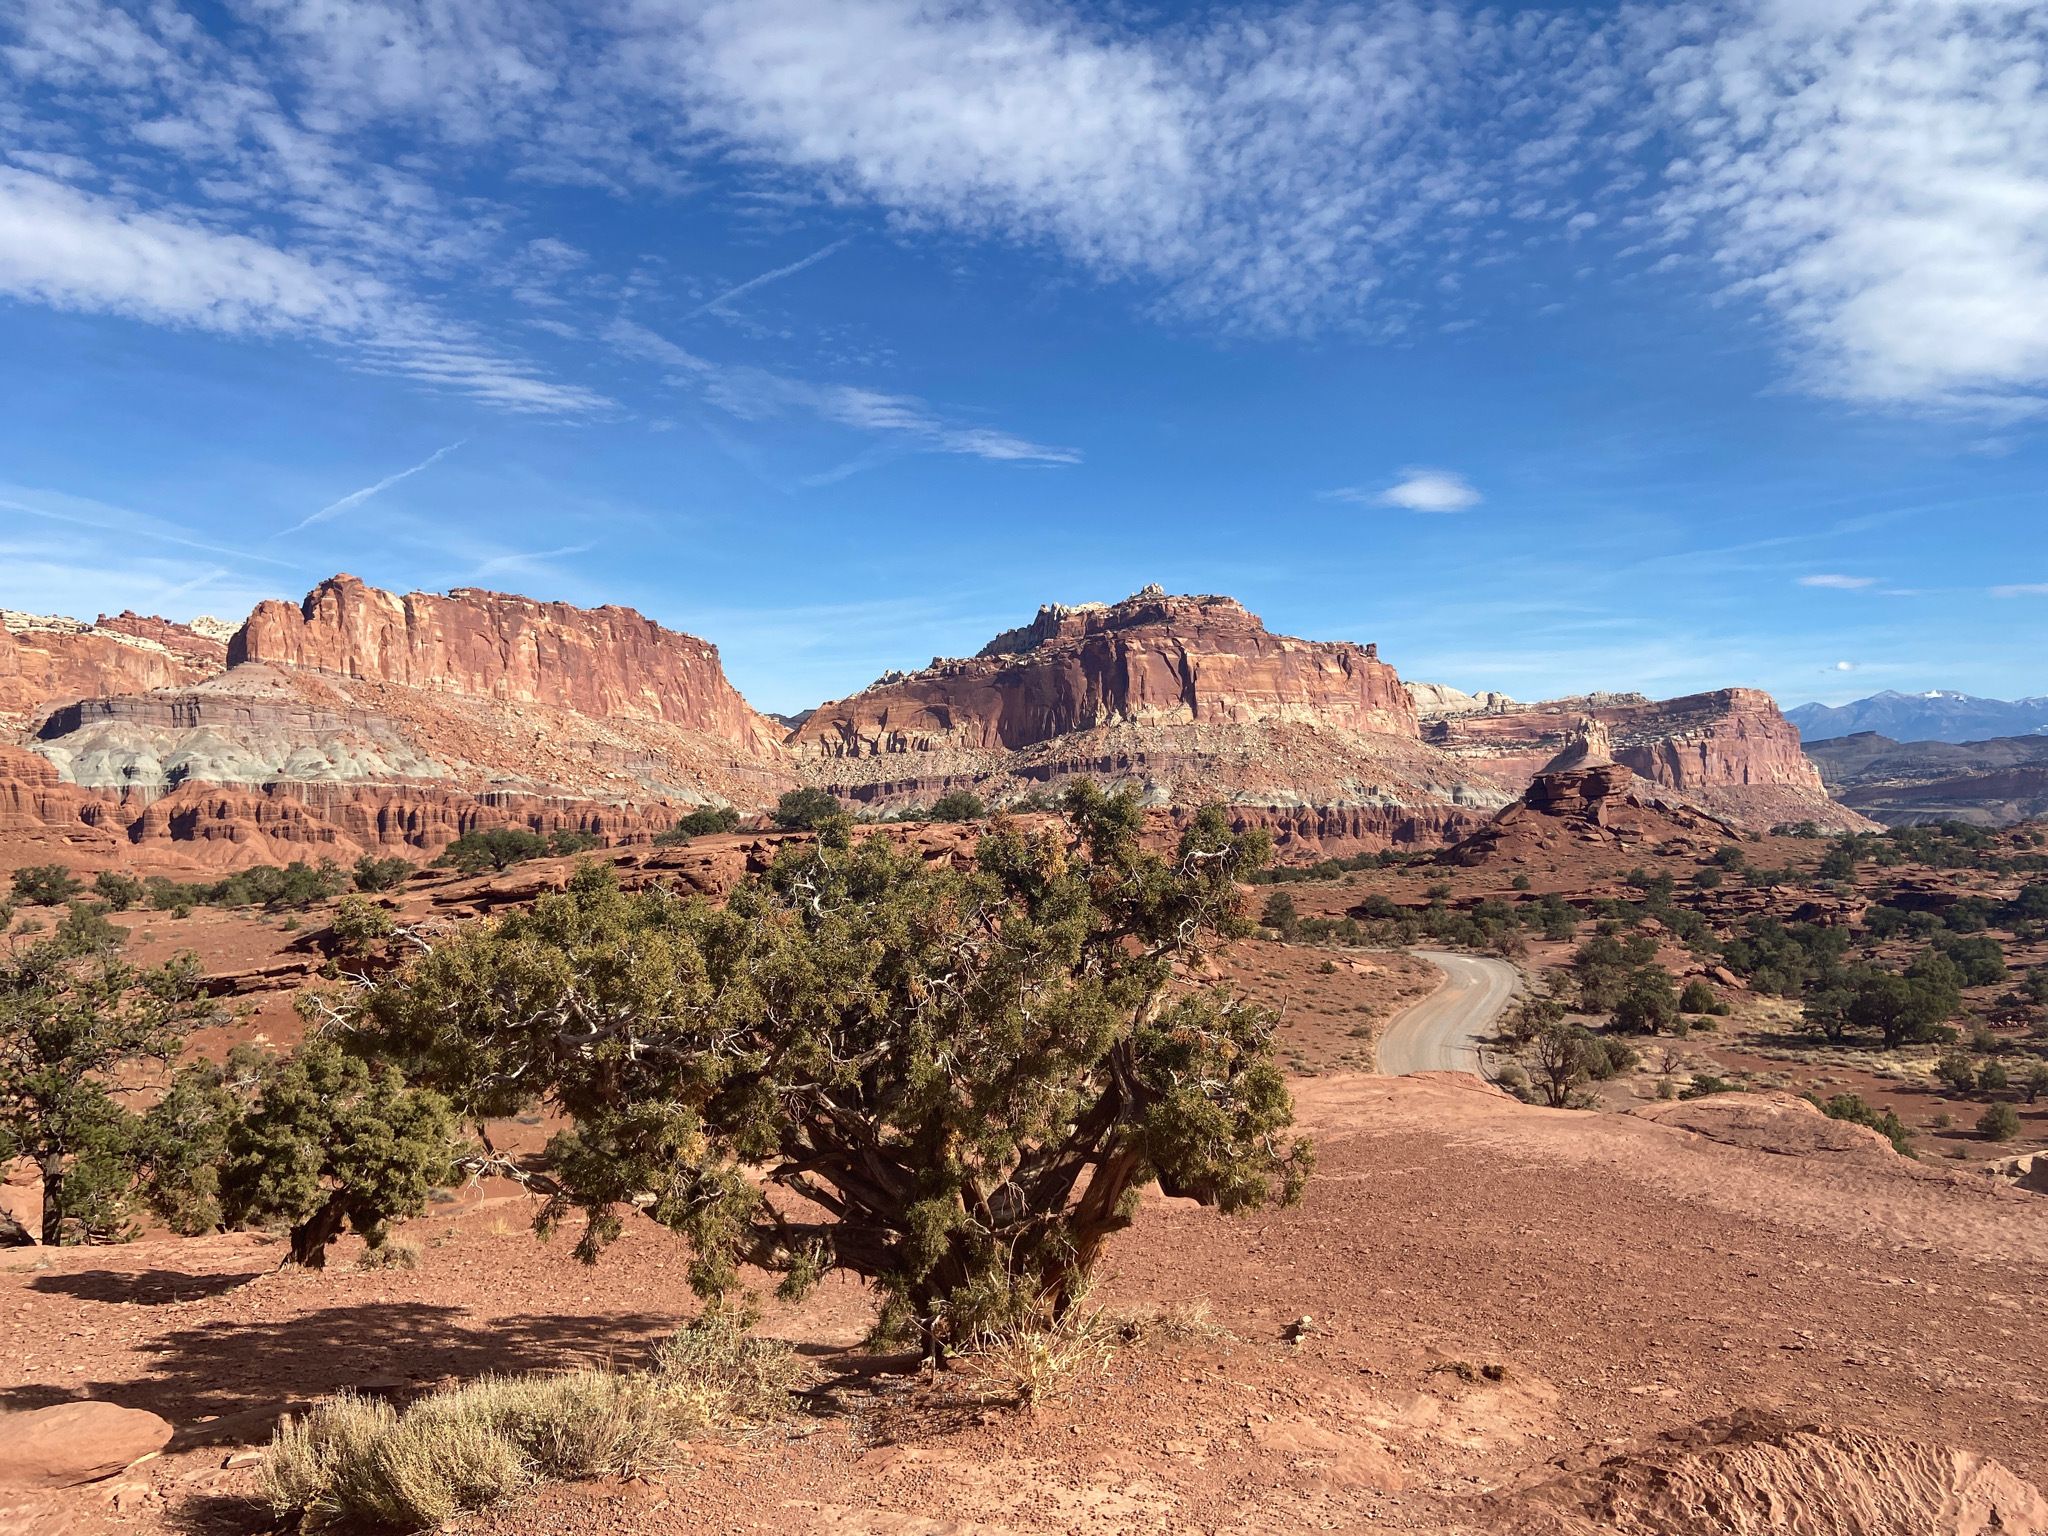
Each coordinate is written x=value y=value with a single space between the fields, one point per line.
x=1845 y=666
x=2022 y=589
x=1838 y=583
x=1417 y=490
x=756 y=394
x=1875 y=174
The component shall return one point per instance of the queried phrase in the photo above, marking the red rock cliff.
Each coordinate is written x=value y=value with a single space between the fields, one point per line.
x=609 y=663
x=50 y=661
x=1151 y=660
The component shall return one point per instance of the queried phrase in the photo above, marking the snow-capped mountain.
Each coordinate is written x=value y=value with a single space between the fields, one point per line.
x=1939 y=714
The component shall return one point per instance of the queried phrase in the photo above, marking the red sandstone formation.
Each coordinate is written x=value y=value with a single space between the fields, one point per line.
x=51 y=661
x=1597 y=805
x=1150 y=660
x=1730 y=751
x=604 y=662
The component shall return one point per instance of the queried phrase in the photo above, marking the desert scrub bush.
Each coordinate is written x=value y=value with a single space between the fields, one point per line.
x=2001 y=1122
x=391 y=1253
x=719 y=1376
x=1045 y=1352
x=357 y=1461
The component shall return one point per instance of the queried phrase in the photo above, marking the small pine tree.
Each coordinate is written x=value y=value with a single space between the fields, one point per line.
x=958 y=805
x=805 y=810
x=2001 y=1122
x=495 y=848
x=73 y=1028
x=331 y=1141
x=118 y=891
x=46 y=885
x=373 y=874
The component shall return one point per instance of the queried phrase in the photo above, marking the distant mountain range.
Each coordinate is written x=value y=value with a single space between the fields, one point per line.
x=1993 y=783
x=1937 y=715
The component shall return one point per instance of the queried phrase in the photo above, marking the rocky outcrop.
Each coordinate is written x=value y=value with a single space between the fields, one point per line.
x=1594 y=805
x=1150 y=660
x=1730 y=751
x=608 y=663
x=1433 y=700
x=47 y=661
x=68 y=1444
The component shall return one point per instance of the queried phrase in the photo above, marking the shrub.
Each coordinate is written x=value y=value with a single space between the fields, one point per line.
x=2036 y=1081
x=971 y=1073
x=2001 y=1122
x=1697 y=997
x=958 y=805
x=1279 y=914
x=1993 y=1078
x=805 y=810
x=87 y=930
x=332 y=1141
x=46 y=885
x=118 y=891
x=720 y=1375
x=1956 y=1072
x=705 y=821
x=498 y=848
x=1705 y=1083
x=373 y=874
x=1647 y=1005
x=1519 y=883
x=1850 y=1107
x=567 y=841
x=359 y=926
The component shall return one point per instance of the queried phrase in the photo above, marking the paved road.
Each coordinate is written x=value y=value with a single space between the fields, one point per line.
x=1442 y=1032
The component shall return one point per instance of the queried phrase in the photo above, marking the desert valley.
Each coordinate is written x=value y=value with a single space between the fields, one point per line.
x=1674 y=1124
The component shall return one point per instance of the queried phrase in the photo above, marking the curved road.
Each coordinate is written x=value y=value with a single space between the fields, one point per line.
x=1442 y=1032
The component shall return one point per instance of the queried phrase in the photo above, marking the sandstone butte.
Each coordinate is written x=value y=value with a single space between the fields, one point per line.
x=362 y=719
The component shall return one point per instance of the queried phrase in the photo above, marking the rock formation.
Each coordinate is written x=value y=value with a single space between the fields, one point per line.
x=604 y=662
x=362 y=719
x=1730 y=751
x=1587 y=804
x=46 y=661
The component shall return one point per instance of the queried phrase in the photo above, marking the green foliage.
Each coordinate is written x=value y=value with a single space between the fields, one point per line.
x=492 y=848
x=2036 y=1081
x=118 y=891
x=1279 y=914
x=1706 y=1084
x=183 y=1139
x=296 y=885
x=566 y=841
x=1903 y=1010
x=360 y=928
x=705 y=821
x=1562 y=1058
x=2001 y=1122
x=1993 y=1078
x=1850 y=1107
x=1605 y=965
x=1647 y=1005
x=1698 y=997
x=330 y=1139
x=958 y=805
x=805 y=810
x=1979 y=960
x=46 y=885
x=1956 y=1072
x=87 y=930
x=969 y=1074
x=372 y=874
x=73 y=1028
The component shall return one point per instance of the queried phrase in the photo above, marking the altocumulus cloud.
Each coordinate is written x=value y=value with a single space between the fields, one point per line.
x=1417 y=490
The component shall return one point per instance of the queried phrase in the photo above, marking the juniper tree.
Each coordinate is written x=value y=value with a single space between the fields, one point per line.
x=952 y=1082
x=76 y=1032
x=330 y=1141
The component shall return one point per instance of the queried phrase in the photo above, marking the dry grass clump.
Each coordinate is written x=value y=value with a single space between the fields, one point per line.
x=357 y=1461
x=392 y=1253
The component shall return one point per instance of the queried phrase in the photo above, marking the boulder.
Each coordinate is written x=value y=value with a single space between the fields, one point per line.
x=73 y=1443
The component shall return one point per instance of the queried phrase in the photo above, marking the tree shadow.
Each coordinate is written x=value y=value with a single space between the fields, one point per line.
x=150 y=1288
x=396 y=1350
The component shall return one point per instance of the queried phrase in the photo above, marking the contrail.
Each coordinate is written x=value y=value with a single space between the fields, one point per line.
x=357 y=498
x=769 y=277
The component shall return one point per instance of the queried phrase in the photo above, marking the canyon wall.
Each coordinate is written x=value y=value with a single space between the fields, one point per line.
x=47 y=661
x=609 y=663
x=1151 y=660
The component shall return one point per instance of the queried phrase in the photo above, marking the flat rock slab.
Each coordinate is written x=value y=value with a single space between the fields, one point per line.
x=73 y=1443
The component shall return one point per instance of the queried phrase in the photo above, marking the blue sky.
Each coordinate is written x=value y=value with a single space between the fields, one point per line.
x=1552 y=348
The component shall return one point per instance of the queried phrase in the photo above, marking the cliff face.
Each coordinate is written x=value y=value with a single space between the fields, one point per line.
x=50 y=661
x=609 y=663
x=1151 y=660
